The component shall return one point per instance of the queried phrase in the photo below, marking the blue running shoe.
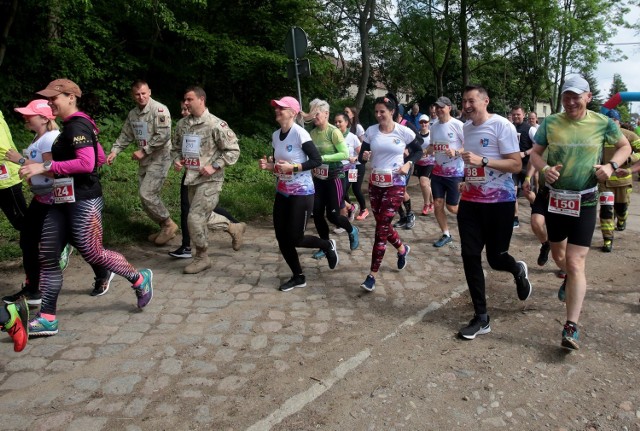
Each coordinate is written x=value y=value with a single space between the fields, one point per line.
x=570 y=336
x=402 y=258
x=369 y=284
x=144 y=292
x=444 y=240
x=39 y=326
x=354 y=238
x=562 y=293
x=318 y=255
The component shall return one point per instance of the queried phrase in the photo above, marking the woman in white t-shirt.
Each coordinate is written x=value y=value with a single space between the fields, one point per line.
x=357 y=129
x=294 y=156
x=40 y=120
x=384 y=146
x=351 y=164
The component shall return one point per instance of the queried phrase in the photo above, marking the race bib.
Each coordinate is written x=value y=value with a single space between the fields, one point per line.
x=381 y=177
x=352 y=175
x=564 y=202
x=4 y=172
x=441 y=147
x=63 y=191
x=321 y=172
x=283 y=176
x=191 y=151
x=475 y=174
x=141 y=132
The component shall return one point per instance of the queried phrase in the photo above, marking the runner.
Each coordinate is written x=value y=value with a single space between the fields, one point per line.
x=295 y=156
x=12 y=200
x=148 y=126
x=342 y=122
x=424 y=166
x=327 y=178
x=76 y=216
x=385 y=144
x=358 y=130
x=485 y=215
x=447 y=141
x=575 y=141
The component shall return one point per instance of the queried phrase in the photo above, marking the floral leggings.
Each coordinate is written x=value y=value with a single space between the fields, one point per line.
x=384 y=203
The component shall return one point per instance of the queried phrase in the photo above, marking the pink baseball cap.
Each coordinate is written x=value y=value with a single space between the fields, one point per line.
x=37 y=107
x=287 y=102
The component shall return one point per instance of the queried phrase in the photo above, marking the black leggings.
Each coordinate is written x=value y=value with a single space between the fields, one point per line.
x=357 y=188
x=327 y=200
x=290 y=215
x=13 y=205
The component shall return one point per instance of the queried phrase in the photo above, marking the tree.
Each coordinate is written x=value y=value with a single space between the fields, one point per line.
x=618 y=86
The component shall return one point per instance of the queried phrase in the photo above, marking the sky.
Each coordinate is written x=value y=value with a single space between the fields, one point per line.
x=628 y=69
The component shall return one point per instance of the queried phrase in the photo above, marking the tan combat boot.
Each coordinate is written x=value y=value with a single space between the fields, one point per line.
x=236 y=230
x=153 y=236
x=200 y=262
x=168 y=231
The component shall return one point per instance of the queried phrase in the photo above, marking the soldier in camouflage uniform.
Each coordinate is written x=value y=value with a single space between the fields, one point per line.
x=203 y=144
x=149 y=126
x=620 y=184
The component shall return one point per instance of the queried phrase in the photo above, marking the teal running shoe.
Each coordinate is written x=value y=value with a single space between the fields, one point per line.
x=570 y=336
x=39 y=327
x=144 y=292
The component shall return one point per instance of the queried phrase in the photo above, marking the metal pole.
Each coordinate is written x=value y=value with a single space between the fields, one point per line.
x=295 y=64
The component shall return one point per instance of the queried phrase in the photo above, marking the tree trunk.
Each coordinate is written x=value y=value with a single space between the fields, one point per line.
x=5 y=29
x=366 y=19
x=464 y=43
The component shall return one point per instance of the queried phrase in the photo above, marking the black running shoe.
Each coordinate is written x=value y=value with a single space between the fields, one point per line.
x=295 y=281
x=543 y=257
x=401 y=223
x=332 y=255
x=32 y=298
x=475 y=327
x=523 y=285
x=181 y=252
x=101 y=285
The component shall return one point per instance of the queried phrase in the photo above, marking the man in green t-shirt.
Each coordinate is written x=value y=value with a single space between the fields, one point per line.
x=575 y=141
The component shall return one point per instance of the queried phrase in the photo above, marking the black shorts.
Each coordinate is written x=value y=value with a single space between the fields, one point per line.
x=576 y=230
x=541 y=202
x=448 y=187
x=423 y=171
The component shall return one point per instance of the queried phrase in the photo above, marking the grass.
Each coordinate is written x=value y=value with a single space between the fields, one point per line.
x=247 y=193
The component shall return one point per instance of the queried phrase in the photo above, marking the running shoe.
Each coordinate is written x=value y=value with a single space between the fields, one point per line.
x=402 y=258
x=570 y=335
x=339 y=230
x=475 y=327
x=332 y=255
x=607 y=246
x=363 y=214
x=18 y=325
x=354 y=238
x=430 y=209
x=523 y=285
x=562 y=292
x=411 y=220
x=369 y=283
x=65 y=256
x=620 y=226
x=295 y=281
x=144 y=291
x=425 y=209
x=401 y=223
x=543 y=257
x=39 y=327
x=318 y=255
x=101 y=285
x=516 y=223
x=32 y=298
x=182 y=252
x=561 y=274
x=352 y=212
x=444 y=240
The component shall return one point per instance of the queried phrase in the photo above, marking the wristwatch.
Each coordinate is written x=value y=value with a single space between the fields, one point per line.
x=614 y=165
x=22 y=161
x=47 y=165
x=485 y=161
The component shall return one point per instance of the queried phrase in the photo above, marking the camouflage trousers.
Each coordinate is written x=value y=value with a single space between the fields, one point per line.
x=619 y=210
x=218 y=222
x=203 y=198
x=151 y=178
